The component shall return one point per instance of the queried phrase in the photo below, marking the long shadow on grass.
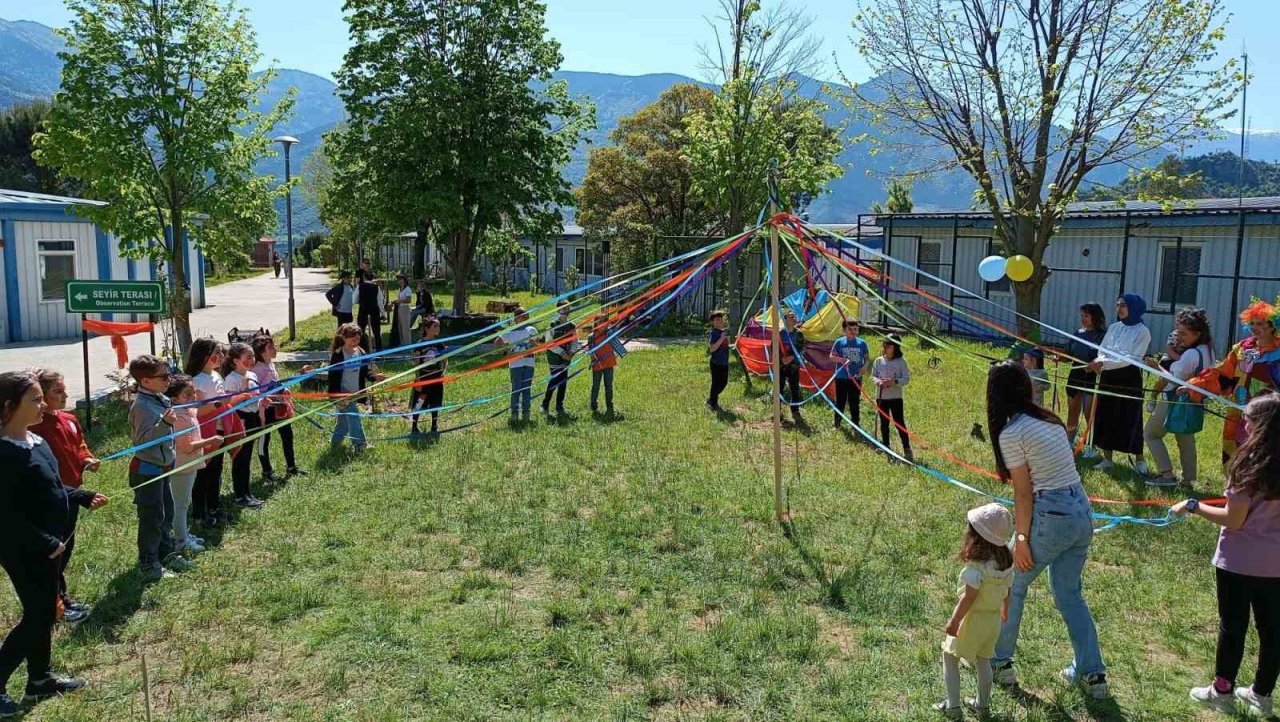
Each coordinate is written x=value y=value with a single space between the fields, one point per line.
x=1105 y=709
x=113 y=609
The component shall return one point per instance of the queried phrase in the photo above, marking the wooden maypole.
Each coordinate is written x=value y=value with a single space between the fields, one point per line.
x=776 y=345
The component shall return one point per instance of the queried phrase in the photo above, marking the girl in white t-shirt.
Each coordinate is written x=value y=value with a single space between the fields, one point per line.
x=190 y=446
x=202 y=365
x=238 y=378
x=1191 y=327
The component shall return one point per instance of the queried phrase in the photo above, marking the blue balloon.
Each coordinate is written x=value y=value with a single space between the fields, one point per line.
x=991 y=268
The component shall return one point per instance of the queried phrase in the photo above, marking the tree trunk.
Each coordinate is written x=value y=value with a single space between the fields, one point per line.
x=460 y=261
x=420 y=249
x=180 y=307
x=1027 y=294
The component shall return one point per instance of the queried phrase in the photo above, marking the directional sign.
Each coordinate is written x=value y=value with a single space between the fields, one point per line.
x=115 y=297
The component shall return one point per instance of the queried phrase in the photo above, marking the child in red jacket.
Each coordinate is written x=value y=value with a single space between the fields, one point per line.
x=61 y=430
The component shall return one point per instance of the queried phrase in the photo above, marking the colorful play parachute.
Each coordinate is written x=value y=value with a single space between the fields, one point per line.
x=819 y=316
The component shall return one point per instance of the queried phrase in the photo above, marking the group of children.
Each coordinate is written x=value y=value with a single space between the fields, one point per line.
x=889 y=373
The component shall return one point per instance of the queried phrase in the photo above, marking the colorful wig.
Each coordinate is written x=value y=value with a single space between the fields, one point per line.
x=1260 y=310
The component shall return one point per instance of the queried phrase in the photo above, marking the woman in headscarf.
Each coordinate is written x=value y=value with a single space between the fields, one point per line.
x=1118 y=425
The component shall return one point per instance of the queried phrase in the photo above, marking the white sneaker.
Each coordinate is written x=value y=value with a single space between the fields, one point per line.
x=980 y=710
x=1213 y=699
x=949 y=712
x=1104 y=465
x=1005 y=676
x=1253 y=702
x=1095 y=685
x=1142 y=468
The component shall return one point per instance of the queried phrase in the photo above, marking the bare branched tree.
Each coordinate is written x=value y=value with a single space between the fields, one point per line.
x=1032 y=96
x=755 y=50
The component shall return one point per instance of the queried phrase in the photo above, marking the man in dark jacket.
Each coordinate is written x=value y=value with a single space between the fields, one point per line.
x=342 y=298
x=370 y=312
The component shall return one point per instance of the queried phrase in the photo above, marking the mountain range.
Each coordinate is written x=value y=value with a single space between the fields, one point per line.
x=30 y=68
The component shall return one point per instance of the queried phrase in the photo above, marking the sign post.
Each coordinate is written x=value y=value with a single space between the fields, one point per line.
x=86 y=297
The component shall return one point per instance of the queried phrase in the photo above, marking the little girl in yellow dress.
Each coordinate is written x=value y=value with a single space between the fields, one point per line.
x=984 y=602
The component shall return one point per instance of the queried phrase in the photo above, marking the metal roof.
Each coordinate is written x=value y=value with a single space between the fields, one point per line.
x=1102 y=209
x=25 y=198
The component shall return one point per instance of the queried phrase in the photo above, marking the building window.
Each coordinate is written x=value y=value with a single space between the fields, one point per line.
x=57 y=266
x=1179 y=269
x=591 y=264
x=929 y=260
x=559 y=259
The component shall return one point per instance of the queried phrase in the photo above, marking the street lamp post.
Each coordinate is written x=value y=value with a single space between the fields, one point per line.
x=288 y=142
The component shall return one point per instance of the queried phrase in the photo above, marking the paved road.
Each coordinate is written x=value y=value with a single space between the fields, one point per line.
x=261 y=301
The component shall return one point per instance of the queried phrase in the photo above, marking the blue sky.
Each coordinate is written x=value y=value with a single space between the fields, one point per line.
x=652 y=36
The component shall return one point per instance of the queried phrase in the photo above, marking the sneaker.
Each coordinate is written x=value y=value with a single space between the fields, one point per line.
x=1005 y=675
x=74 y=616
x=1095 y=685
x=1104 y=465
x=978 y=709
x=1253 y=702
x=1142 y=468
x=52 y=687
x=1163 y=482
x=155 y=574
x=196 y=539
x=294 y=471
x=8 y=708
x=189 y=545
x=949 y=712
x=1213 y=699
x=909 y=456
x=1089 y=453
x=69 y=603
x=249 y=502
x=176 y=563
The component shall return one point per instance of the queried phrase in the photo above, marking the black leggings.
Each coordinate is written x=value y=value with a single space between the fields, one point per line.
x=36 y=581
x=286 y=441
x=73 y=510
x=430 y=397
x=791 y=378
x=372 y=340
x=206 y=495
x=1237 y=594
x=894 y=408
x=241 y=463
x=849 y=393
x=556 y=385
x=719 y=380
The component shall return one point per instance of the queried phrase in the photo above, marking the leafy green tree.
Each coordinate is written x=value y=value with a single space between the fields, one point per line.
x=640 y=189
x=19 y=170
x=899 y=199
x=1029 y=98
x=730 y=158
x=156 y=117
x=456 y=103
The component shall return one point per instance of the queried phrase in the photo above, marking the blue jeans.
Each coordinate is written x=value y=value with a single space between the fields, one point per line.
x=521 y=389
x=1061 y=530
x=348 y=427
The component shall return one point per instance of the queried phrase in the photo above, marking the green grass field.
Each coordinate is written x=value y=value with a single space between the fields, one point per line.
x=619 y=568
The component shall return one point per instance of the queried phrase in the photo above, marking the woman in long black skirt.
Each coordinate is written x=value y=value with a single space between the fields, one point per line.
x=1118 y=425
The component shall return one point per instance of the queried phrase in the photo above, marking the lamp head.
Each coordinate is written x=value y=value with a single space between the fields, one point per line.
x=286 y=140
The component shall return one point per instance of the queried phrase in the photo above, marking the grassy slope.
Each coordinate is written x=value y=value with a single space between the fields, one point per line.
x=628 y=569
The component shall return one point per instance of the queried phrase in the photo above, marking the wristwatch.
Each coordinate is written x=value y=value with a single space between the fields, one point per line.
x=1021 y=538
x=1192 y=505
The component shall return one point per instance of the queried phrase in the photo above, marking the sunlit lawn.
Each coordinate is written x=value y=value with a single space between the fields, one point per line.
x=622 y=568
